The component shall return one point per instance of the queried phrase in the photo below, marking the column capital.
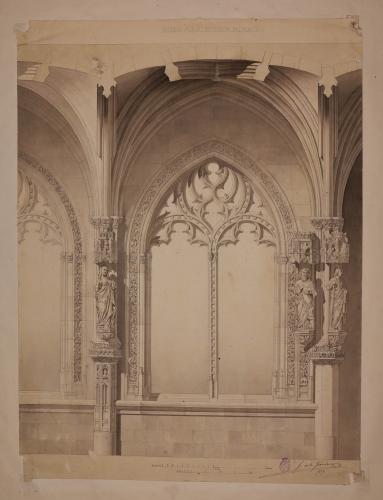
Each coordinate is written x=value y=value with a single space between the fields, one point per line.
x=106 y=232
x=327 y=223
x=304 y=248
x=334 y=245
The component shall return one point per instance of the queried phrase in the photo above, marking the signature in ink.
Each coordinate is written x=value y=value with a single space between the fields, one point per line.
x=313 y=466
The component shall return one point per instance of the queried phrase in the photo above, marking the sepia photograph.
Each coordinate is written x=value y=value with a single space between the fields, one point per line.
x=189 y=222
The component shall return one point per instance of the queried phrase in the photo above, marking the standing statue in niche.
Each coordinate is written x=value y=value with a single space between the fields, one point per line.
x=305 y=290
x=338 y=298
x=106 y=303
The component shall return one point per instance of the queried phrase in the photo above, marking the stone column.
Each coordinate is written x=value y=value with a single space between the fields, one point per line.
x=106 y=348
x=326 y=417
x=328 y=352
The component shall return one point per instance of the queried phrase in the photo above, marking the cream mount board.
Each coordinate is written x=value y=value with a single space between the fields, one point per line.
x=193 y=188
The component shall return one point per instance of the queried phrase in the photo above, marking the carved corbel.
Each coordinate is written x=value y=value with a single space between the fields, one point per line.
x=104 y=74
x=328 y=80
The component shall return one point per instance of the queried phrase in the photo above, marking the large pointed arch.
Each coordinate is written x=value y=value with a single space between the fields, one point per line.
x=73 y=255
x=283 y=220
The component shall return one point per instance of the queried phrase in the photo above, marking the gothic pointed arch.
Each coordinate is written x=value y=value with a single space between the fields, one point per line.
x=43 y=200
x=251 y=197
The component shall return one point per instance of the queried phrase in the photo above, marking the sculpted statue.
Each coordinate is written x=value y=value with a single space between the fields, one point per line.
x=305 y=290
x=338 y=298
x=106 y=301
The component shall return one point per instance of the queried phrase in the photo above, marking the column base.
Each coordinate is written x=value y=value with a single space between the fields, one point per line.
x=104 y=443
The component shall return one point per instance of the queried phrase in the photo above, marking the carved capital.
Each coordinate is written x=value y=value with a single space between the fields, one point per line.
x=106 y=233
x=334 y=245
x=304 y=248
x=326 y=223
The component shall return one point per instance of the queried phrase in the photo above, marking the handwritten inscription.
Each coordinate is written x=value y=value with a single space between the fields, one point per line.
x=286 y=467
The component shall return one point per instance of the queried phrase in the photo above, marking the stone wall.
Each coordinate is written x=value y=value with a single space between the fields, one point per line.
x=56 y=431
x=217 y=436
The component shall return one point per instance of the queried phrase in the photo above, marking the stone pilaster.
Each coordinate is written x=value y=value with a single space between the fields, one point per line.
x=328 y=352
x=105 y=349
x=304 y=255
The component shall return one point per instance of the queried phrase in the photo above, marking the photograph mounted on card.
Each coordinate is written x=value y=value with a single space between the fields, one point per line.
x=190 y=249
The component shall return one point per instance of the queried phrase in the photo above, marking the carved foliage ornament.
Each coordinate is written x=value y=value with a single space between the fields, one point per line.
x=213 y=203
x=202 y=183
x=77 y=258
